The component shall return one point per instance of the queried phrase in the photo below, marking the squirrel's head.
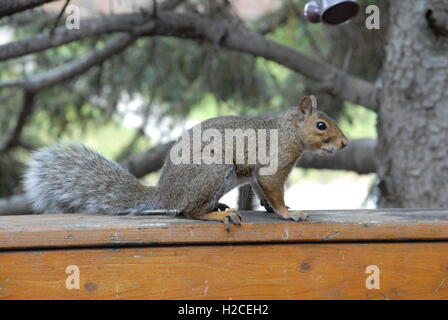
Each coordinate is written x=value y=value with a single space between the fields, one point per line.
x=318 y=131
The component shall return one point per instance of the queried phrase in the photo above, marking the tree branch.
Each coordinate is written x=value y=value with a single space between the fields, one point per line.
x=13 y=137
x=72 y=69
x=59 y=17
x=359 y=156
x=274 y=21
x=17 y=204
x=33 y=84
x=226 y=34
x=150 y=161
x=234 y=37
x=89 y=28
x=10 y=7
x=62 y=35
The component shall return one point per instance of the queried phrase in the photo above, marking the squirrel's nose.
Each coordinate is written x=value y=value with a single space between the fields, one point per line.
x=343 y=144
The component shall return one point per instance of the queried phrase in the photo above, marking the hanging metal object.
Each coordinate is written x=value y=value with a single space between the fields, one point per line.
x=331 y=11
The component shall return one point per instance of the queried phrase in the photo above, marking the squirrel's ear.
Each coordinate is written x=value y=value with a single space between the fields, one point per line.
x=307 y=105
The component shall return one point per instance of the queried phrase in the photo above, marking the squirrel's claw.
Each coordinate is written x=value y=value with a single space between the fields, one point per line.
x=297 y=216
x=233 y=217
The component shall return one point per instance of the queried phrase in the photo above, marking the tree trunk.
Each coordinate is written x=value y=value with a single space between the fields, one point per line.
x=413 y=118
x=246 y=198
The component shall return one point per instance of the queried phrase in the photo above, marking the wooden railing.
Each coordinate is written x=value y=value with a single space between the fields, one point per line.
x=333 y=255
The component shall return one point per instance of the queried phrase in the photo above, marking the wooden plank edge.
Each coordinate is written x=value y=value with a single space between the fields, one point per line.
x=290 y=271
x=209 y=233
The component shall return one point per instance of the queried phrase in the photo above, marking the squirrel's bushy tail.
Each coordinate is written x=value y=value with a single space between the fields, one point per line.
x=70 y=178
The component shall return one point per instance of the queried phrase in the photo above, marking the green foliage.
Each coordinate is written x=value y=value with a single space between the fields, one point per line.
x=358 y=122
x=10 y=174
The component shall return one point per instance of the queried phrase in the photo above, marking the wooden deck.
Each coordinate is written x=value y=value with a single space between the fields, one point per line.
x=159 y=257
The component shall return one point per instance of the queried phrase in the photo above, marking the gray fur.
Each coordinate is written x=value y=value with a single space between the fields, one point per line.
x=72 y=178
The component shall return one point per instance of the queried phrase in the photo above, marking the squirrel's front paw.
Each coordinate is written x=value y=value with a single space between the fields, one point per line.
x=267 y=206
x=296 y=216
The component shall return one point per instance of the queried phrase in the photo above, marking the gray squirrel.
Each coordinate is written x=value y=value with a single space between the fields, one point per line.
x=73 y=179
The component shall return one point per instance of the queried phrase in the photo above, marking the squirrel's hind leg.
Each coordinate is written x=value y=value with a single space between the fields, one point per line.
x=228 y=217
x=200 y=199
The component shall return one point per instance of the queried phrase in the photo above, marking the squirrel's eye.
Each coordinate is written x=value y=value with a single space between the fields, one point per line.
x=321 y=125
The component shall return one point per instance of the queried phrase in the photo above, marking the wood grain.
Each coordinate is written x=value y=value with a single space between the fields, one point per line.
x=278 y=271
x=79 y=230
